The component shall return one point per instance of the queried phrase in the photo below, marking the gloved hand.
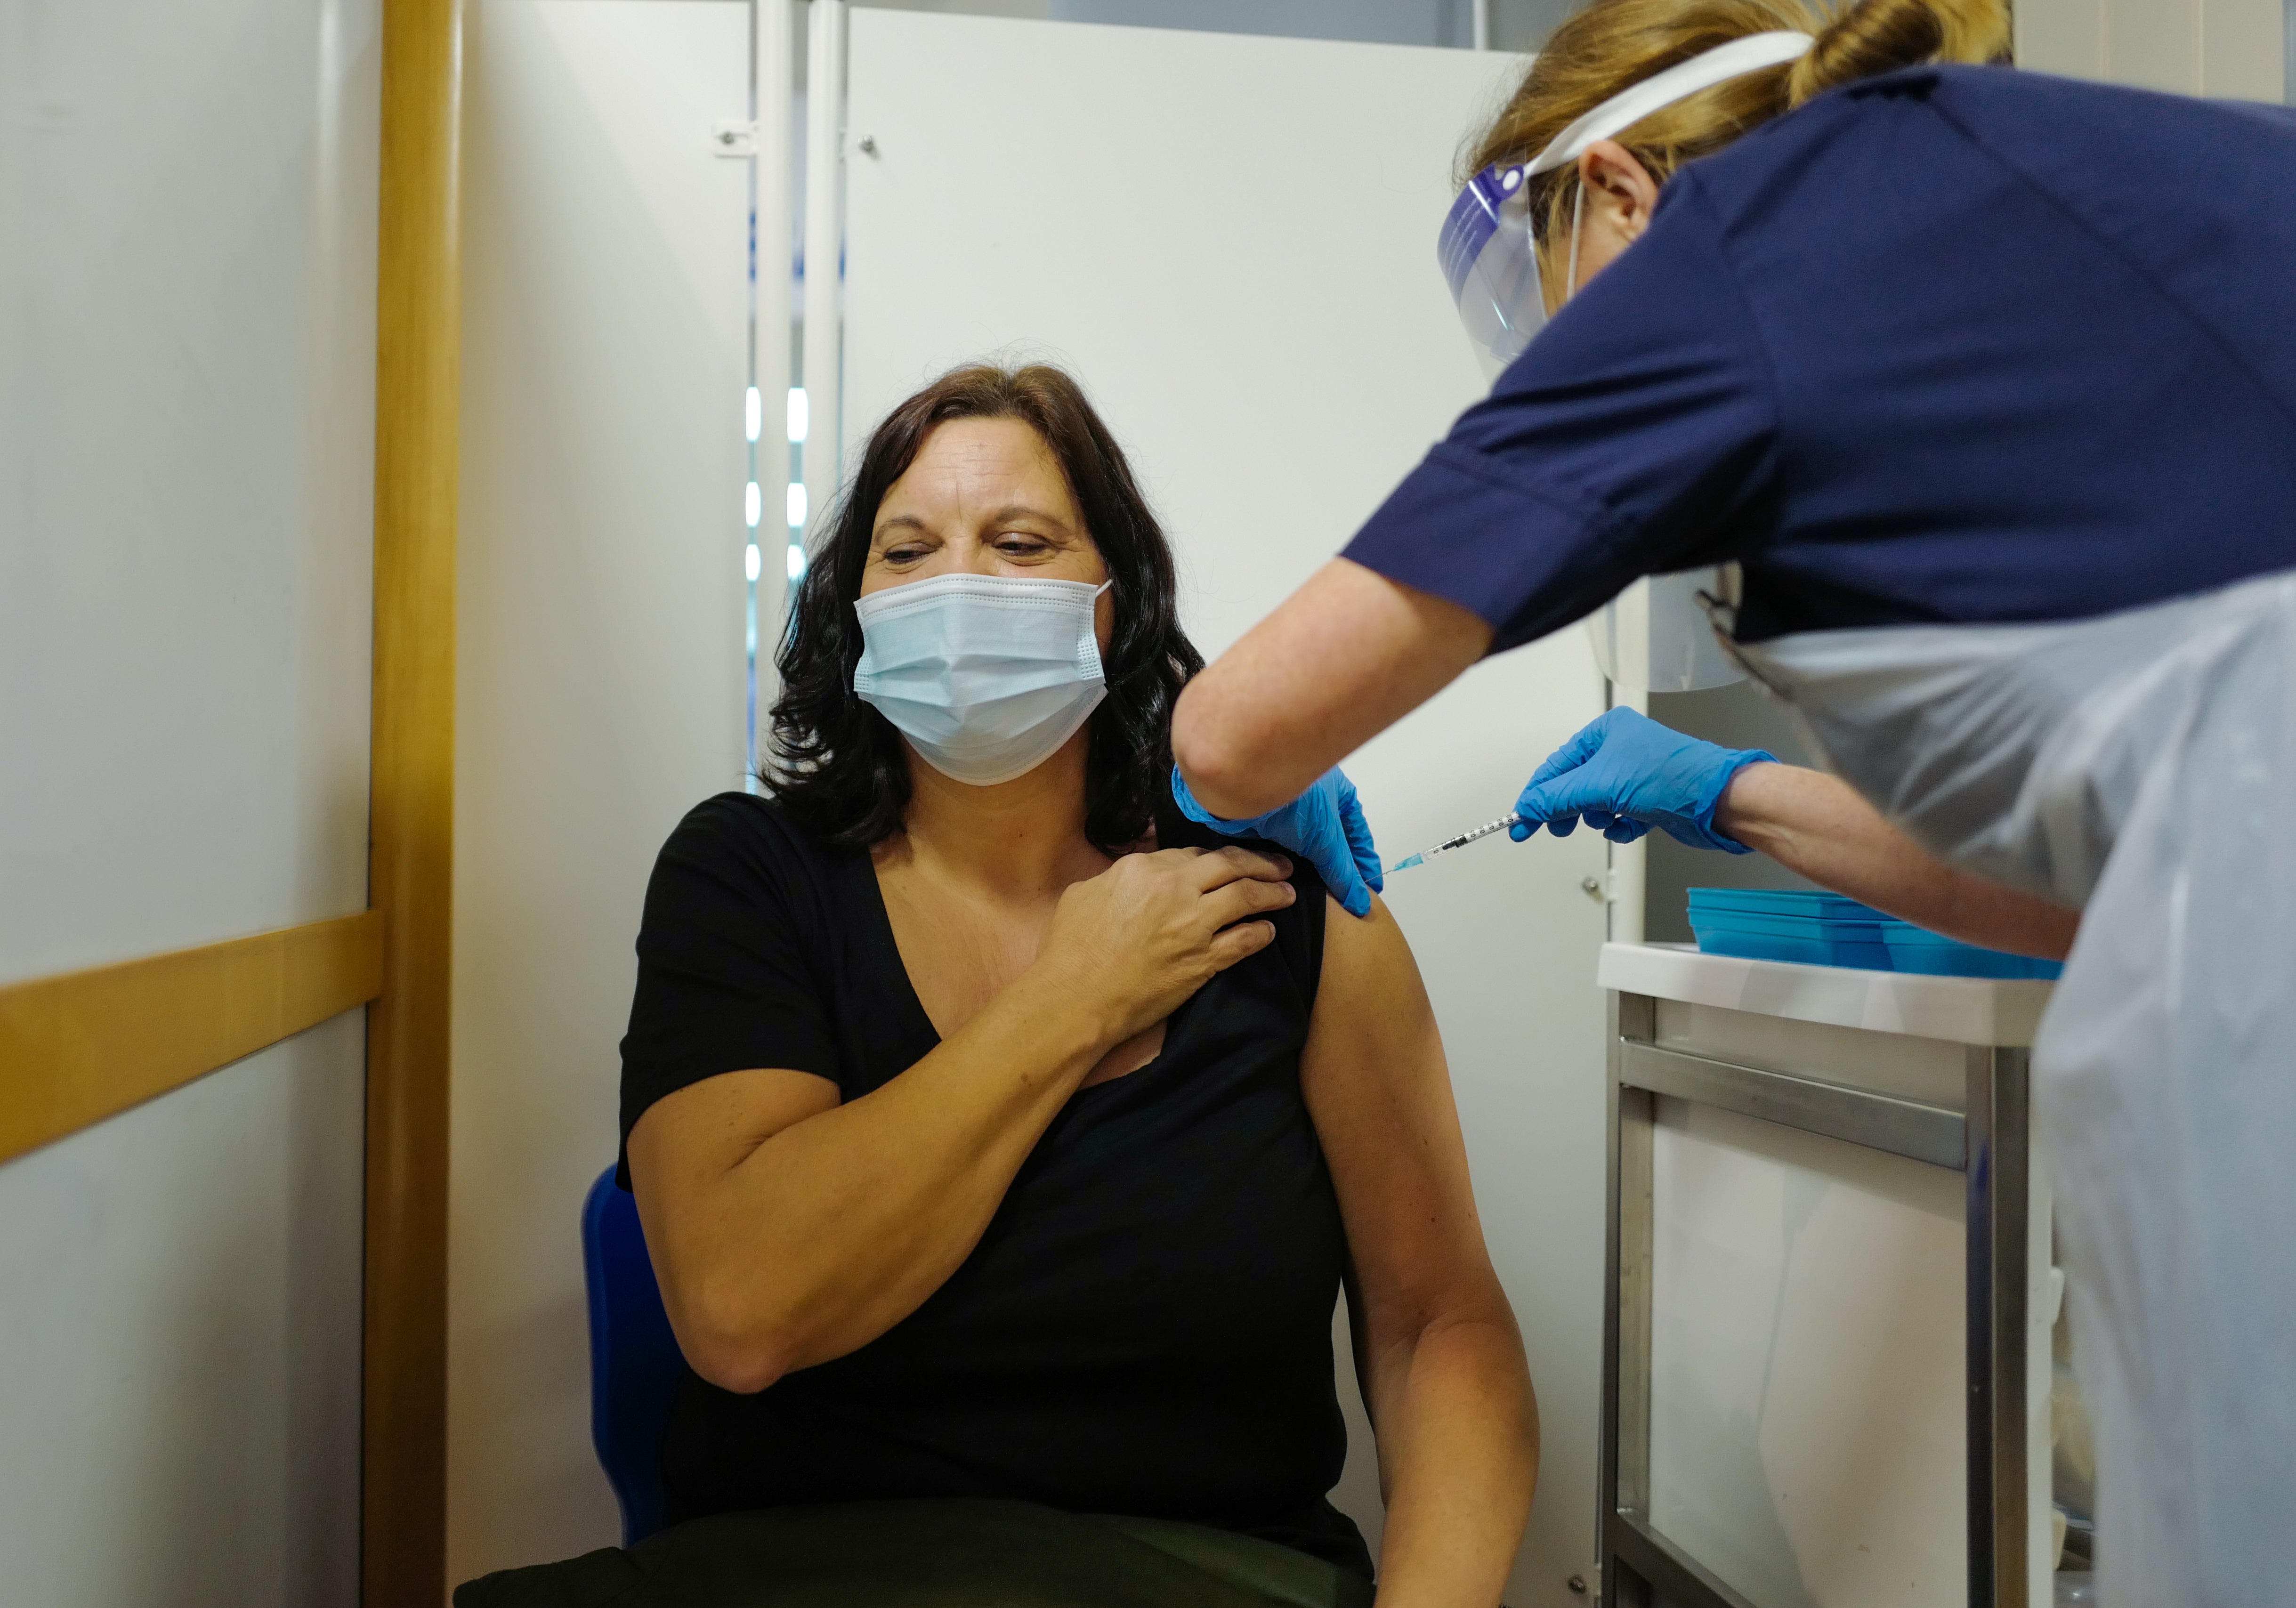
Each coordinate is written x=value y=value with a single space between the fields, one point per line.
x=1325 y=824
x=1625 y=774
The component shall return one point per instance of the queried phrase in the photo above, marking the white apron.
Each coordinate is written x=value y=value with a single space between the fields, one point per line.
x=2141 y=767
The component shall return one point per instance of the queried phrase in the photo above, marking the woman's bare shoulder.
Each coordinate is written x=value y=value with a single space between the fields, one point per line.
x=1367 y=963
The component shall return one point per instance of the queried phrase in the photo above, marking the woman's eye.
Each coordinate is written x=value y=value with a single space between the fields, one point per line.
x=1022 y=546
x=903 y=555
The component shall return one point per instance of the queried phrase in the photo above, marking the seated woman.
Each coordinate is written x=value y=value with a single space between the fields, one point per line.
x=1003 y=1139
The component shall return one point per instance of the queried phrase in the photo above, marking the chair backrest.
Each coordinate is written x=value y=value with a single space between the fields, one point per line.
x=635 y=1367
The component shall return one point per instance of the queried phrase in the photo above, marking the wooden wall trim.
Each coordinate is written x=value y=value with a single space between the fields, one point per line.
x=84 y=1045
x=411 y=867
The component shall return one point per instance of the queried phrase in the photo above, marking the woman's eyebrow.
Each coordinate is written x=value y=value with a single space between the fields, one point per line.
x=1021 y=511
x=1011 y=511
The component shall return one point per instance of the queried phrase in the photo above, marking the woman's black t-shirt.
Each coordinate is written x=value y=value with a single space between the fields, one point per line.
x=1145 y=1325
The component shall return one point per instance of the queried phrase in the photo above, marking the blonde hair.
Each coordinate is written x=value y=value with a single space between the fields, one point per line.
x=1612 y=44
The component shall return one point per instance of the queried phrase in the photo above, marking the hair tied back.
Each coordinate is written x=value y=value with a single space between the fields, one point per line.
x=1874 y=36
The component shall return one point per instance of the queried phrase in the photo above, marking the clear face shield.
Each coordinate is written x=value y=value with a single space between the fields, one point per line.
x=1656 y=635
x=1490 y=261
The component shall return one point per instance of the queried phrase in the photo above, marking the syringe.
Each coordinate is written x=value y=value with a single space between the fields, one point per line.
x=1461 y=841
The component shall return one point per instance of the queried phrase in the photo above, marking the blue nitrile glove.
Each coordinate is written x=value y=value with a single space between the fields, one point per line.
x=1325 y=824
x=1625 y=774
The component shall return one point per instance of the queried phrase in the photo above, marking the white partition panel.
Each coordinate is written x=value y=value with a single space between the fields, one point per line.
x=187 y=296
x=1808 y=1423
x=179 y=1328
x=1231 y=240
x=186 y=453
x=600 y=688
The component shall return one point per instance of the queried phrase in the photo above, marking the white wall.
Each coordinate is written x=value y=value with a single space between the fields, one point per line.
x=1514 y=24
x=1231 y=240
x=187 y=197
x=600 y=676
x=2234 y=48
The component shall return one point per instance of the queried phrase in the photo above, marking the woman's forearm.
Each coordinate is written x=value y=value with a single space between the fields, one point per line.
x=1458 y=1454
x=1818 y=825
x=836 y=1227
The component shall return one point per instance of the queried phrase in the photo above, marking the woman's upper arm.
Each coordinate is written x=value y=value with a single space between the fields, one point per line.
x=1380 y=1093
x=1344 y=658
x=725 y=981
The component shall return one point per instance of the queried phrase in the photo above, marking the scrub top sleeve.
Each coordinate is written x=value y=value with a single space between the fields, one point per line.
x=1636 y=435
x=724 y=981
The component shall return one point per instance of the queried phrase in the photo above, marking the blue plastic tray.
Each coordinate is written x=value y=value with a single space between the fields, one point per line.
x=1809 y=951
x=1917 y=950
x=1866 y=929
x=1812 y=940
x=1782 y=902
x=1828 y=930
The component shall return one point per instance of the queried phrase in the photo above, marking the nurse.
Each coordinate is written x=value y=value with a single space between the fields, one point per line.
x=1982 y=387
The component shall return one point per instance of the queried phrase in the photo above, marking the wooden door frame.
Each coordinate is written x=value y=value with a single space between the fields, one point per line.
x=418 y=334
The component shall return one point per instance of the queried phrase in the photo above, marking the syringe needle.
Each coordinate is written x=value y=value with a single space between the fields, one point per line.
x=1461 y=841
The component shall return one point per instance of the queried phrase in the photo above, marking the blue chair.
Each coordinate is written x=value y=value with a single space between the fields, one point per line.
x=635 y=1367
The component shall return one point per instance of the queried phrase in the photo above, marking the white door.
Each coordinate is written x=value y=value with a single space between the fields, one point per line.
x=1231 y=240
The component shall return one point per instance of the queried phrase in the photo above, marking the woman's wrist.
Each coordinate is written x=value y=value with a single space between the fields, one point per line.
x=1063 y=1013
x=1745 y=810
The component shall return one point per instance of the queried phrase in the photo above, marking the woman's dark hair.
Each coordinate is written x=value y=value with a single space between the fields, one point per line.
x=838 y=766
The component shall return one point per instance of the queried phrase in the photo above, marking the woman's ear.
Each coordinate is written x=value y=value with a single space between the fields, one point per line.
x=1620 y=193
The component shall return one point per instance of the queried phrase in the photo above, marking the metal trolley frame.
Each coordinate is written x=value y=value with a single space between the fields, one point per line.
x=1988 y=1143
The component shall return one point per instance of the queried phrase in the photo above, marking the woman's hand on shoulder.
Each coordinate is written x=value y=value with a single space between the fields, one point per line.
x=1149 y=931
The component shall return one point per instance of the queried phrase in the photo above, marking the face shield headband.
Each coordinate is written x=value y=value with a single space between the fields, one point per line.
x=1488 y=248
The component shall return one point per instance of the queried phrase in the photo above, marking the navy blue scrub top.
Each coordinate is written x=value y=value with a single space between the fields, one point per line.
x=1954 y=344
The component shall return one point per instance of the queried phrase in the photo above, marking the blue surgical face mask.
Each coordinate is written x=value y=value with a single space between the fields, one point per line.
x=985 y=675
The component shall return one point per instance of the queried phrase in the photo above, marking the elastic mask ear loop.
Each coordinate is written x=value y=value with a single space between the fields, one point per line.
x=1578 y=213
